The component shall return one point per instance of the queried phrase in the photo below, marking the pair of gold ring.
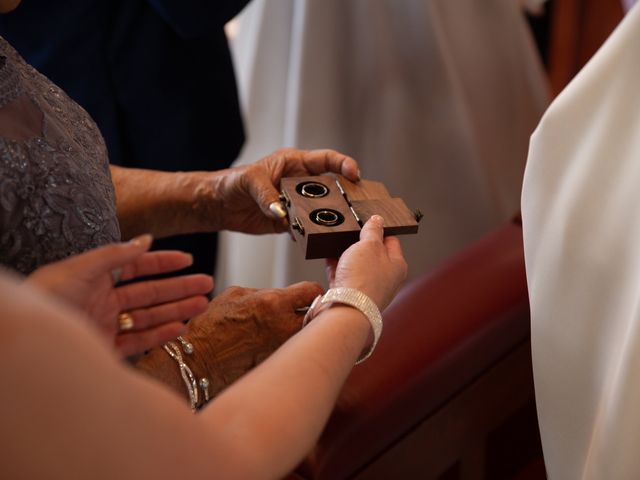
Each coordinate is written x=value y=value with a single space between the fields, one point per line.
x=125 y=322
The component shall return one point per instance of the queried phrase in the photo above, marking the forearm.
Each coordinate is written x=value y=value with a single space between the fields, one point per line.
x=271 y=417
x=260 y=427
x=165 y=203
x=277 y=412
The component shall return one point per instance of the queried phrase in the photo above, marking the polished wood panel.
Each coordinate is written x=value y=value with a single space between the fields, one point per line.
x=578 y=29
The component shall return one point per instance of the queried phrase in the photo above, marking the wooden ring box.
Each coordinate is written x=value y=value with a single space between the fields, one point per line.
x=326 y=212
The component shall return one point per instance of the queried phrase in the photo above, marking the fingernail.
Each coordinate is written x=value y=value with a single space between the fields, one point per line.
x=359 y=175
x=378 y=219
x=190 y=257
x=142 y=240
x=278 y=210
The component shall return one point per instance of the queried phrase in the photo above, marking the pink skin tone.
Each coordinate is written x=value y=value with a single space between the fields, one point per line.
x=8 y=5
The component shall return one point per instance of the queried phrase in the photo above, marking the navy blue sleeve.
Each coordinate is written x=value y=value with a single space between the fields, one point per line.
x=194 y=18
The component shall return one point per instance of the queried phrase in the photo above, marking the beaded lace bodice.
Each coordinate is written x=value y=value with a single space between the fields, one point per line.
x=56 y=194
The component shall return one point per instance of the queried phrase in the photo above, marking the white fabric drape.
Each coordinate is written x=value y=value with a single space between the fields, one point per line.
x=581 y=214
x=436 y=98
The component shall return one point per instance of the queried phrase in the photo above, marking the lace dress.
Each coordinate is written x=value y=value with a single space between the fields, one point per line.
x=56 y=194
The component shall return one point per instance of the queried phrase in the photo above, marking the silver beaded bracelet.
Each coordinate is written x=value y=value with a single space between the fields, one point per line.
x=356 y=299
x=187 y=374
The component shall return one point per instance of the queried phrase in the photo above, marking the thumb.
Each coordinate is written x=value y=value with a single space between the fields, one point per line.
x=372 y=230
x=267 y=196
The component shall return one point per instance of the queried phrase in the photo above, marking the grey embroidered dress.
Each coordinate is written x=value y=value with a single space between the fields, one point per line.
x=56 y=194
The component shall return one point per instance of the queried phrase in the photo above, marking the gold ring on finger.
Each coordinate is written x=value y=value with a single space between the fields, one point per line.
x=125 y=322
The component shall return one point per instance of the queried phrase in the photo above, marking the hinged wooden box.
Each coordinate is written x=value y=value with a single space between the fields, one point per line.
x=326 y=212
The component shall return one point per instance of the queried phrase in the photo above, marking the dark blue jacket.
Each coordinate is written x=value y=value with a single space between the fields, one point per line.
x=156 y=75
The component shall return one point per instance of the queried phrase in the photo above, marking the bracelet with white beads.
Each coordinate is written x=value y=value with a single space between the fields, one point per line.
x=353 y=298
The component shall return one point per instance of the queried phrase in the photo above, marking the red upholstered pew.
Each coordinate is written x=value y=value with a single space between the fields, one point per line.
x=448 y=393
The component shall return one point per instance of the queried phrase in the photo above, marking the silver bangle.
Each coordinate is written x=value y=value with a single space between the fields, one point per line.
x=187 y=347
x=187 y=374
x=354 y=298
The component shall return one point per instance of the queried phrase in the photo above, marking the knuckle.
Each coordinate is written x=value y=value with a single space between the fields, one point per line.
x=284 y=152
x=250 y=172
x=404 y=268
x=269 y=298
x=113 y=249
x=312 y=289
x=235 y=291
x=337 y=155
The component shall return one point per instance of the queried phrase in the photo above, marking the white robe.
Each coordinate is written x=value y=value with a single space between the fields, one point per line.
x=436 y=98
x=581 y=214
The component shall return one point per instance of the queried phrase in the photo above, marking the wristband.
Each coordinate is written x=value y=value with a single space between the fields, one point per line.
x=353 y=298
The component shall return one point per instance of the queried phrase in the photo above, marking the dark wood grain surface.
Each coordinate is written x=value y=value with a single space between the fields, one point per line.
x=367 y=198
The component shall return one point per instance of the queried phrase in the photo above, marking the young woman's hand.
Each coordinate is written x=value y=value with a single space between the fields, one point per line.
x=156 y=307
x=374 y=265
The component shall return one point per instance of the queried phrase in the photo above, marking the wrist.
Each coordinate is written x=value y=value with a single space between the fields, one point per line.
x=226 y=356
x=206 y=203
x=158 y=364
x=197 y=386
x=204 y=366
x=353 y=298
x=162 y=203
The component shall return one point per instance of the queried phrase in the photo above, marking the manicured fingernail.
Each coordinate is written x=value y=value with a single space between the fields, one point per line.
x=278 y=210
x=142 y=240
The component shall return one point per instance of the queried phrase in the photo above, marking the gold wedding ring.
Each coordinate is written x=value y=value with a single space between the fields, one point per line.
x=125 y=322
x=328 y=218
x=313 y=190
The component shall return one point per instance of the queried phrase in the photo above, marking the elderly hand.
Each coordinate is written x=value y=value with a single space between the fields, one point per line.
x=246 y=193
x=374 y=265
x=241 y=327
x=238 y=198
x=157 y=307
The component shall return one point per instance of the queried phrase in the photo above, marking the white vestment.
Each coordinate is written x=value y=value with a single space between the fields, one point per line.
x=436 y=98
x=581 y=214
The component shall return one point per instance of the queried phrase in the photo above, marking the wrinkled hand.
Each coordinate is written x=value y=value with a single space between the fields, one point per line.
x=158 y=307
x=374 y=265
x=243 y=326
x=248 y=191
